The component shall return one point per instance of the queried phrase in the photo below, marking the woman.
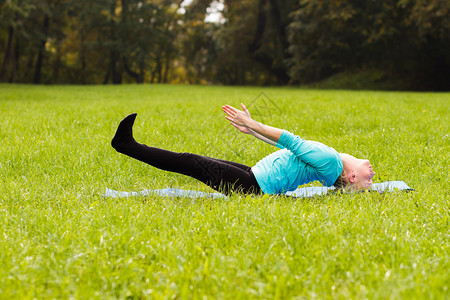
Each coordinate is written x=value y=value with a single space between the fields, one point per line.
x=299 y=162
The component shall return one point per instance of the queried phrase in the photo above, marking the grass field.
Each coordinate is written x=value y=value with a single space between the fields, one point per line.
x=60 y=238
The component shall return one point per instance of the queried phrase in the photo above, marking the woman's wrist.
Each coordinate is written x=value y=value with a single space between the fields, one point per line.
x=255 y=126
x=261 y=137
x=268 y=132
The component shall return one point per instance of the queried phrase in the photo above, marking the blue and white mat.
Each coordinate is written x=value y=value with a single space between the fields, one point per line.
x=306 y=192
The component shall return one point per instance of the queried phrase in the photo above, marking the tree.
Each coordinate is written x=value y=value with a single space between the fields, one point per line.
x=260 y=41
x=253 y=44
x=407 y=39
x=270 y=44
x=429 y=24
x=197 y=43
x=13 y=16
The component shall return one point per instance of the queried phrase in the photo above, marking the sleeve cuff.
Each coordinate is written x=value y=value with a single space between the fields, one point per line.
x=284 y=139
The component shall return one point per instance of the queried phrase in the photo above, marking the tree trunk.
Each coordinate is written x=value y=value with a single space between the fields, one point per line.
x=114 y=55
x=152 y=79
x=130 y=72
x=8 y=53
x=142 y=73
x=116 y=74
x=28 y=66
x=15 y=67
x=83 y=58
x=158 y=69
x=166 y=68
x=279 y=67
x=38 y=70
x=280 y=27
x=273 y=62
x=260 y=27
x=105 y=80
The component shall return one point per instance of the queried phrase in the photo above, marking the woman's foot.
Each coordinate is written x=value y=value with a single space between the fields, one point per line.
x=124 y=133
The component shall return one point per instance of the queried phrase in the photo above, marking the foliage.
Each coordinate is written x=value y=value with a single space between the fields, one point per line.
x=62 y=239
x=99 y=41
x=198 y=45
x=261 y=42
x=404 y=38
x=252 y=44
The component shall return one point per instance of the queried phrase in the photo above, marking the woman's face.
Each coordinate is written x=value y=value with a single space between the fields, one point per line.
x=363 y=174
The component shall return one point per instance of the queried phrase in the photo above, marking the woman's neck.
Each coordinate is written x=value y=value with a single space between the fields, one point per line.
x=348 y=162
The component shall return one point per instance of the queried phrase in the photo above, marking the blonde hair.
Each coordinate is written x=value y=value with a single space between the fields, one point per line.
x=341 y=182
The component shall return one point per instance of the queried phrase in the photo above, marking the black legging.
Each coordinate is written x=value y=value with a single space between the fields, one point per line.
x=221 y=175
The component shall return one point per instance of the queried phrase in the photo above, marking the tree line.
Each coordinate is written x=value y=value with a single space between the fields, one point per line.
x=257 y=42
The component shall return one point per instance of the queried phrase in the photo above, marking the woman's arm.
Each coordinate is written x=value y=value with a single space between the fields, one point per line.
x=262 y=138
x=243 y=121
x=323 y=159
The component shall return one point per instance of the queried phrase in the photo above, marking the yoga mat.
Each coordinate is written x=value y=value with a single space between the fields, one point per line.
x=306 y=192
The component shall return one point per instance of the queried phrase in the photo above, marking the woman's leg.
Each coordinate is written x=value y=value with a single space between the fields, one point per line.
x=223 y=176
x=237 y=165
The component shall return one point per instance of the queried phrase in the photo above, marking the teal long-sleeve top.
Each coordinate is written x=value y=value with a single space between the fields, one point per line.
x=299 y=162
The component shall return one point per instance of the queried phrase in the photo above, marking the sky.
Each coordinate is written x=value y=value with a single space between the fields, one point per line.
x=213 y=12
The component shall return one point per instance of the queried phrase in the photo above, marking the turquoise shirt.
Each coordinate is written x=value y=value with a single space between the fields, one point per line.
x=299 y=162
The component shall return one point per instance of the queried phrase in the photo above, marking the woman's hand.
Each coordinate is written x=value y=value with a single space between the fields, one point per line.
x=240 y=119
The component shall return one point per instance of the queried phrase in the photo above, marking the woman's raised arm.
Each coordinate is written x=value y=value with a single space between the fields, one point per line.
x=242 y=120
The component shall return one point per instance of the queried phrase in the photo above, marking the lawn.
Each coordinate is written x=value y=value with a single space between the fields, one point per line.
x=60 y=238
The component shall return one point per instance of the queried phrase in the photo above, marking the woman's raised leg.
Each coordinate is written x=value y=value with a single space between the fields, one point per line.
x=226 y=177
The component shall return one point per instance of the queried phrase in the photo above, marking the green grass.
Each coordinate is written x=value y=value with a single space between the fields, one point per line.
x=61 y=239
